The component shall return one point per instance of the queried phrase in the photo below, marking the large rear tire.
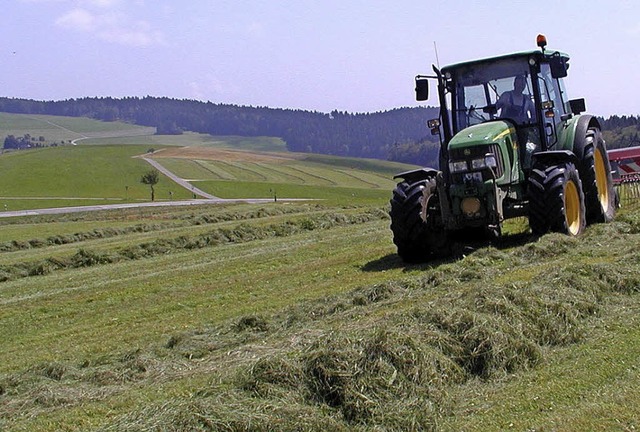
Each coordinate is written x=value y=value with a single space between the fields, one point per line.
x=595 y=172
x=556 y=200
x=415 y=221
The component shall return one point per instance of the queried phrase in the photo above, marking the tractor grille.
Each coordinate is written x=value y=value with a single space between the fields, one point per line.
x=471 y=153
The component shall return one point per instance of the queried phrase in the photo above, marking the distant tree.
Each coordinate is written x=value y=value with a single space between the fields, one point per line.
x=11 y=142
x=151 y=178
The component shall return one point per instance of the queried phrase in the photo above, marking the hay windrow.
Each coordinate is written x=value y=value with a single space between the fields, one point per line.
x=385 y=356
x=241 y=233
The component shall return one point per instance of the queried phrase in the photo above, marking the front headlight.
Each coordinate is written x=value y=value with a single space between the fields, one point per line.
x=489 y=161
x=458 y=166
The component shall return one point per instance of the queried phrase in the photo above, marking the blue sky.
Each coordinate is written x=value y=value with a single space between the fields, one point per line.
x=350 y=55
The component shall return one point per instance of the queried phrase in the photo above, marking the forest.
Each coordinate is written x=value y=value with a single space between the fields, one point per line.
x=398 y=134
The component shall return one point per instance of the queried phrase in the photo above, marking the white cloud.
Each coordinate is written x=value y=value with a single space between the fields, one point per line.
x=101 y=3
x=141 y=34
x=634 y=31
x=77 y=19
x=109 y=21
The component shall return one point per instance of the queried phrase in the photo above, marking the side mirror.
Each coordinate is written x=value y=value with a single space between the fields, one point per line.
x=559 y=66
x=577 y=106
x=422 y=88
x=434 y=125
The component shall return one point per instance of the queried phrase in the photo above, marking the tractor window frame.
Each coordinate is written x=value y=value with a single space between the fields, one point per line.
x=489 y=80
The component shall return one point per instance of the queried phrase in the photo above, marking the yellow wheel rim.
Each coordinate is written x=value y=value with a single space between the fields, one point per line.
x=601 y=180
x=572 y=208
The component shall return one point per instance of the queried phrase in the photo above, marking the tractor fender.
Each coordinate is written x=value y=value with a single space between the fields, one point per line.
x=578 y=133
x=554 y=157
x=417 y=175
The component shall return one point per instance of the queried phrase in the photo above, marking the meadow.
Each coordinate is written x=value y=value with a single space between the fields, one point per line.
x=300 y=316
x=105 y=169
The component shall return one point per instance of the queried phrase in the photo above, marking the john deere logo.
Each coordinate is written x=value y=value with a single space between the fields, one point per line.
x=467 y=152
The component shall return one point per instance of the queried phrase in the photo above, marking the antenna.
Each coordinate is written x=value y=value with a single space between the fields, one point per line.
x=435 y=48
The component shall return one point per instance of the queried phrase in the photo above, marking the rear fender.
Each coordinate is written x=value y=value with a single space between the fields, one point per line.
x=583 y=123
x=555 y=157
x=417 y=175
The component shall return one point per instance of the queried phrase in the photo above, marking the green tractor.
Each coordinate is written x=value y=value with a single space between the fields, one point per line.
x=511 y=145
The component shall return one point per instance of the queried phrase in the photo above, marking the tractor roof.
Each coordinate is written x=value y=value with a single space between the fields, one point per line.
x=539 y=55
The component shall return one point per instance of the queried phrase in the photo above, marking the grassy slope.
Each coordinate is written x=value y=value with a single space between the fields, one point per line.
x=57 y=129
x=103 y=168
x=300 y=316
x=74 y=175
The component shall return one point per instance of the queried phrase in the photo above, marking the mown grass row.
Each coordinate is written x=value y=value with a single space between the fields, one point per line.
x=185 y=220
x=241 y=233
x=383 y=356
x=394 y=370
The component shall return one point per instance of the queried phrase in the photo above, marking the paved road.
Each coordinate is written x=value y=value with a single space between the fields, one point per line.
x=208 y=199
x=60 y=210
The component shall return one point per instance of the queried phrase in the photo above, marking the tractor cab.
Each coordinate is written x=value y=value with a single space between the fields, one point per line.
x=524 y=89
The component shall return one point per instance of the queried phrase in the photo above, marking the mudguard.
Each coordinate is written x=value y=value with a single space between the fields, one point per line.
x=553 y=157
x=417 y=175
x=574 y=137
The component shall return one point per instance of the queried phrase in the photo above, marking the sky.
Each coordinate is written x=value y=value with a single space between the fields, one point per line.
x=318 y=55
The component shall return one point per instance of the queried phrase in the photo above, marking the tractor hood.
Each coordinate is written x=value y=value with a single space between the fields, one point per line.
x=493 y=132
x=497 y=138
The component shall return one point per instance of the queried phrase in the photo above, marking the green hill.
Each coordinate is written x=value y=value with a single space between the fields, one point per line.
x=102 y=168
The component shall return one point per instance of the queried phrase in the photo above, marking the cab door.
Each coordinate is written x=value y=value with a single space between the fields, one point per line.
x=551 y=105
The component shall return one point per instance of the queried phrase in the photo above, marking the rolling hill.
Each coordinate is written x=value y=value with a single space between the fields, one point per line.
x=103 y=168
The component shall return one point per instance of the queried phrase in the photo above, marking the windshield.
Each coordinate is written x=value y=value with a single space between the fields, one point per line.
x=489 y=91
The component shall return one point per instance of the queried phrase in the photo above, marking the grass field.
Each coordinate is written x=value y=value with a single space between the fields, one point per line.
x=103 y=169
x=64 y=129
x=299 y=315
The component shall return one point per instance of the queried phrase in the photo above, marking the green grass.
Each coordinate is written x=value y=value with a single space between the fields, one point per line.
x=245 y=189
x=297 y=315
x=265 y=144
x=103 y=170
x=304 y=317
x=69 y=173
x=64 y=129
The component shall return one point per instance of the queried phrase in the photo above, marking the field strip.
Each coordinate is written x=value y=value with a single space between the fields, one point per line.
x=233 y=253
x=215 y=170
x=281 y=171
x=316 y=176
x=83 y=136
x=360 y=176
x=269 y=173
x=242 y=172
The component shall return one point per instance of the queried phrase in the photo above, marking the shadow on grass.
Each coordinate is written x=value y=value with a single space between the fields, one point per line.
x=459 y=251
x=514 y=240
x=393 y=261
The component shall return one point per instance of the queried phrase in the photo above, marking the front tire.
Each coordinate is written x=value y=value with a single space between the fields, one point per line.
x=415 y=221
x=556 y=200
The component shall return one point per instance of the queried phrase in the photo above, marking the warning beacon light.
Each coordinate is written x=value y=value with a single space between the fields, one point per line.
x=541 y=40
